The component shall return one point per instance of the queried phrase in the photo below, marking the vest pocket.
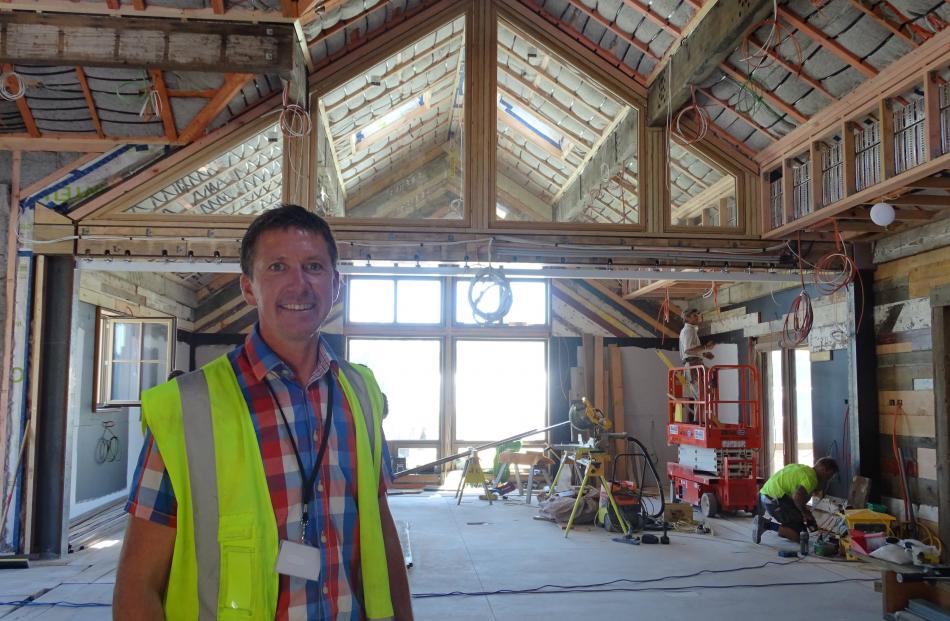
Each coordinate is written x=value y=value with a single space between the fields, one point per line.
x=239 y=596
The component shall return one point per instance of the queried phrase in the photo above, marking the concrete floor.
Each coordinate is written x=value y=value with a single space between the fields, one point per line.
x=476 y=547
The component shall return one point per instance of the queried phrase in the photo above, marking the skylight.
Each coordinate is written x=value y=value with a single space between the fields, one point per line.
x=538 y=129
x=389 y=120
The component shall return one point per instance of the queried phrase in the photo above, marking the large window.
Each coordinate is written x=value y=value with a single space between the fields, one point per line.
x=390 y=140
x=500 y=388
x=702 y=194
x=568 y=150
x=414 y=398
x=450 y=382
x=134 y=355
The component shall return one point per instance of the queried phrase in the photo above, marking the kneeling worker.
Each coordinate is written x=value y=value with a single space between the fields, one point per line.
x=785 y=498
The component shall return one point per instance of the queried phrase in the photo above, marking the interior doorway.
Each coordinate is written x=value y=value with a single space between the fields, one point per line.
x=789 y=408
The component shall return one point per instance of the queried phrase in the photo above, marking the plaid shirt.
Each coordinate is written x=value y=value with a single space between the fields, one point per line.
x=334 y=522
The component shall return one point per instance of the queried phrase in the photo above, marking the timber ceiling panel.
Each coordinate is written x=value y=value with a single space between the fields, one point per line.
x=568 y=142
x=244 y=181
x=633 y=34
x=818 y=54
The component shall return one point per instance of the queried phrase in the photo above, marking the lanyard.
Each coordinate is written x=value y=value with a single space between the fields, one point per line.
x=308 y=480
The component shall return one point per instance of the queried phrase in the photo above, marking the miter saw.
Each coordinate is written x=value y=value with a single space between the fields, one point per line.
x=594 y=429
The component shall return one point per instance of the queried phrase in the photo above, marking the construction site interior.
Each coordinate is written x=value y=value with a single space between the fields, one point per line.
x=613 y=263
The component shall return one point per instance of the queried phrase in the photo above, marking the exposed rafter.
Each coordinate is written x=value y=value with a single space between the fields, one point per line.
x=826 y=42
x=232 y=85
x=742 y=115
x=165 y=106
x=771 y=98
x=90 y=102
x=796 y=70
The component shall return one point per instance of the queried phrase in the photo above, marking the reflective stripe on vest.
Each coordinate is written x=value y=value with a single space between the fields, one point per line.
x=226 y=544
x=202 y=472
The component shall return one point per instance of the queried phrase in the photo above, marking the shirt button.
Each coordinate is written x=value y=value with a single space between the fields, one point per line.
x=319 y=487
x=325 y=590
x=323 y=538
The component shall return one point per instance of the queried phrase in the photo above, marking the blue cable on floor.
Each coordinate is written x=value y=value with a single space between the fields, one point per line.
x=599 y=587
x=28 y=602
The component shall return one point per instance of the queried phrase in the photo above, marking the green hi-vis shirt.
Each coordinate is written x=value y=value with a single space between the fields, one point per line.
x=786 y=481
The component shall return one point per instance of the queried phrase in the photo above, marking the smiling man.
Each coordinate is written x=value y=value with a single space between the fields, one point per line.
x=260 y=491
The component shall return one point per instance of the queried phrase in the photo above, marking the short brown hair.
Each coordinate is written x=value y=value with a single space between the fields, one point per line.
x=281 y=218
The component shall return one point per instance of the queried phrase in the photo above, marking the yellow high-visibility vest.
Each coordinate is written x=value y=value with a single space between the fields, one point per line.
x=226 y=543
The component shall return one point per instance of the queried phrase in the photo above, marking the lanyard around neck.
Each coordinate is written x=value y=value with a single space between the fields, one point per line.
x=308 y=480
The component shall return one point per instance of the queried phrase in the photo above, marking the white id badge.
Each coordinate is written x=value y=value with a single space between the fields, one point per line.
x=298 y=560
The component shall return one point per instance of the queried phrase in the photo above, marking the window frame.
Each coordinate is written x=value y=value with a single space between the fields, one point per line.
x=103 y=372
x=701 y=150
x=347 y=303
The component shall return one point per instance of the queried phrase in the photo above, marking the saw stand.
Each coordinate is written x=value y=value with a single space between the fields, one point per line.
x=472 y=472
x=593 y=460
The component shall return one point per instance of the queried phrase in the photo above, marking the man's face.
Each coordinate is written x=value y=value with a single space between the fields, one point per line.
x=694 y=319
x=293 y=284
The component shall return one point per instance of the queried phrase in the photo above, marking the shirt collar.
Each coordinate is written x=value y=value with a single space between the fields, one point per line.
x=263 y=359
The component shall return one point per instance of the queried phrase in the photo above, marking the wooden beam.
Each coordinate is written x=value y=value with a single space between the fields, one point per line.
x=657 y=19
x=217 y=6
x=722 y=188
x=656 y=285
x=380 y=182
x=658 y=327
x=711 y=42
x=932 y=115
x=933 y=183
x=898 y=77
x=90 y=102
x=886 y=130
x=814 y=162
x=63 y=143
x=232 y=85
x=830 y=45
x=884 y=22
x=796 y=70
x=113 y=8
x=59 y=39
x=166 y=112
x=615 y=30
x=21 y=104
x=771 y=98
x=742 y=115
x=921 y=200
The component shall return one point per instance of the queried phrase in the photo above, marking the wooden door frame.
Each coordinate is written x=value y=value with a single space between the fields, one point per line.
x=940 y=333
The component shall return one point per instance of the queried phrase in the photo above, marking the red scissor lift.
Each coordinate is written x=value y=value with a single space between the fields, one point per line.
x=723 y=475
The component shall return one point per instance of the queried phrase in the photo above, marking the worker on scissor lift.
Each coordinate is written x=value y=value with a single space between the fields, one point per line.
x=693 y=352
x=785 y=496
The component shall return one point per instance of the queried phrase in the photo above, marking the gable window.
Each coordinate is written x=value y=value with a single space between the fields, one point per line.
x=134 y=355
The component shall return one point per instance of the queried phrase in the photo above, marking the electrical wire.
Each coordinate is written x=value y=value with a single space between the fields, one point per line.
x=294 y=119
x=28 y=602
x=15 y=93
x=486 y=280
x=801 y=315
x=688 y=587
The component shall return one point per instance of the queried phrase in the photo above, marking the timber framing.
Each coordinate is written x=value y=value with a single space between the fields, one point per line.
x=715 y=37
x=900 y=186
x=44 y=39
x=202 y=236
